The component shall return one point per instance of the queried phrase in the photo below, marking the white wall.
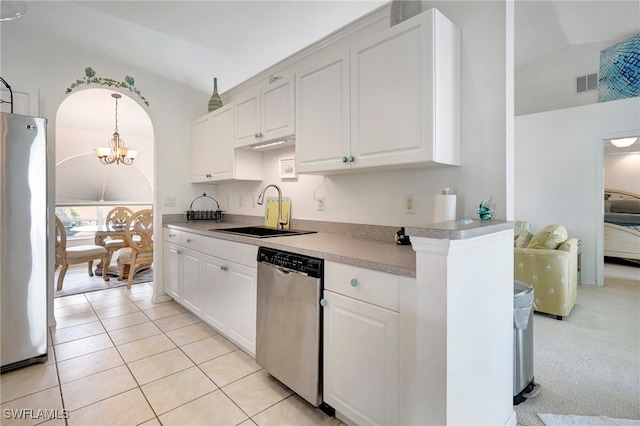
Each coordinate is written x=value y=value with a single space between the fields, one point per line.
x=550 y=83
x=377 y=197
x=559 y=171
x=622 y=172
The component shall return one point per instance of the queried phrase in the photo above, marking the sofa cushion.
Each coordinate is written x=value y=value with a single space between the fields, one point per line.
x=520 y=227
x=625 y=206
x=550 y=237
x=523 y=240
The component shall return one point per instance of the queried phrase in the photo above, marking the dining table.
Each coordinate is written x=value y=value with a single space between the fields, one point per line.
x=101 y=233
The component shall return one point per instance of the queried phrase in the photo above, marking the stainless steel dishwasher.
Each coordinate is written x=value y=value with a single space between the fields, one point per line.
x=288 y=322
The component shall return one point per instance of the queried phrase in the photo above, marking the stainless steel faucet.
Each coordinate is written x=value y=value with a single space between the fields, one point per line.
x=281 y=222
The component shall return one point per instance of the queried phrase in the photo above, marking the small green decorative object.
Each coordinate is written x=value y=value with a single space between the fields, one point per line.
x=215 y=102
x=485 y=209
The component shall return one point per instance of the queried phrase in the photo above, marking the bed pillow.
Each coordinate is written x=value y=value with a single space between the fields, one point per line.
x=550 y=237
x=625 y=206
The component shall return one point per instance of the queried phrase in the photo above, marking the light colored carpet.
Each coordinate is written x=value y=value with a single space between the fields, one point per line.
x=589 y=363
x=77 y=280
x=569 y=420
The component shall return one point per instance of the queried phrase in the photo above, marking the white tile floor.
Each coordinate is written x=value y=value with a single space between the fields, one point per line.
x=119 y=359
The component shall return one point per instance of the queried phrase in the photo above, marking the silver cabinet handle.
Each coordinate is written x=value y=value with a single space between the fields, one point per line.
x=188 y=240
x=323 y=302
x=178 y=251
x=224 y=268
x=354 y=282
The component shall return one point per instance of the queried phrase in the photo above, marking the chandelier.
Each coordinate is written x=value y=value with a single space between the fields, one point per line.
x=116 y=152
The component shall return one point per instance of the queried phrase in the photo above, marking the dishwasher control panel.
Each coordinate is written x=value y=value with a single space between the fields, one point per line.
x=310 y=266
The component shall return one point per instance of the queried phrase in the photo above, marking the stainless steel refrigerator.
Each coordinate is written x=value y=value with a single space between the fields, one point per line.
x=24 y=225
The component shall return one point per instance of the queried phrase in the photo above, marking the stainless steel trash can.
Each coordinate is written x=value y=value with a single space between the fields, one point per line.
x=522 y=340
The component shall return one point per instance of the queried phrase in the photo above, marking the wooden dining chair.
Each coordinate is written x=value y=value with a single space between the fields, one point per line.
x=116 y=218
x=138 y=252
x=77 y=255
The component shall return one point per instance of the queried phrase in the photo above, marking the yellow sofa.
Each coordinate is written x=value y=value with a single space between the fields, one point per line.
x=549 y=262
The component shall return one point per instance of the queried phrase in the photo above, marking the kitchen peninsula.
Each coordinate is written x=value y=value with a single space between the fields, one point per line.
x=446 y=355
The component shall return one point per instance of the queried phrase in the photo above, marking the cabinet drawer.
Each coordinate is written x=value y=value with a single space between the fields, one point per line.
x=378 y=288
x=192 y=241
x=244 y=254
x=171 y=235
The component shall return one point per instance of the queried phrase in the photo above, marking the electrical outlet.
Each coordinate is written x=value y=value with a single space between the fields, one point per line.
x=170 y=201
x=409 y=206
x=320 y=200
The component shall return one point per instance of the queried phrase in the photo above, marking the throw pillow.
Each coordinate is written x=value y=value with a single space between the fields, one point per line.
x=607 y=206
x=520 y=227
x=550 y=237
x=523 y=240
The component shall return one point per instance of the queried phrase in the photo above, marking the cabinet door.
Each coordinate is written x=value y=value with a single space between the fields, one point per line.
x=212 y=150
x=223 y=154
x=360 y=360
x=392 y=95
x=201 y=149
x=171 y=270
x=277 y=109
x=242 y=293
x=247 y=119
x=215 y=293
x=322 y=115
x=191 y=283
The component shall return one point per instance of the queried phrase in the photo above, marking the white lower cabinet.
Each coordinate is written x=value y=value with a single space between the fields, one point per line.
x=191 y=282
x=182 y=269
x=216 y=280
x=229 y=291
x=171 y=270
x=360 y=355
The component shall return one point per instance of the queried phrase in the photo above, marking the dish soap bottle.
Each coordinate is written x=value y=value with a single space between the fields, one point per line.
x=215 y=102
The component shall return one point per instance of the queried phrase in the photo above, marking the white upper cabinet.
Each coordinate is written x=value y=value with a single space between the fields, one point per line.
x=322 y=114
x=402 y=87
x=212 y=145
x=265 y=113
x=213 y=156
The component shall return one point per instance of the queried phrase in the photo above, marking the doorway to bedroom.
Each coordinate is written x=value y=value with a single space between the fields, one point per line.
x=621 y=163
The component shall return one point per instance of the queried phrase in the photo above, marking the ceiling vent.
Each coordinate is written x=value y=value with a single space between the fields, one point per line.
x=587 y=83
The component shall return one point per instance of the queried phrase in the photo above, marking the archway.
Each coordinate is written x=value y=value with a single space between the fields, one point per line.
x=86 y=190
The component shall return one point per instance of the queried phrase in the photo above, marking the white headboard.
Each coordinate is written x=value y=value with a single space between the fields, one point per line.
x=616 y=194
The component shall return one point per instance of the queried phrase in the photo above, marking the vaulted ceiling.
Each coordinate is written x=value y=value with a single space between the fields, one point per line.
x=234 y=27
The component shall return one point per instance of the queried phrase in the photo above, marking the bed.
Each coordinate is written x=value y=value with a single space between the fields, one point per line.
x=621 y=224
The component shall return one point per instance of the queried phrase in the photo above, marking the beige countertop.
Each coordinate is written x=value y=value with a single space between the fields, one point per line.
x=385 y=256
x=455 y=230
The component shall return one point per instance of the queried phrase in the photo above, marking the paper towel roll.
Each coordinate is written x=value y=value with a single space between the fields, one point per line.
x=444 y=208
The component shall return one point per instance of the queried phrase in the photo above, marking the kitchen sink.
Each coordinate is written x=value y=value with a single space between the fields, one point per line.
x=262 y=231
